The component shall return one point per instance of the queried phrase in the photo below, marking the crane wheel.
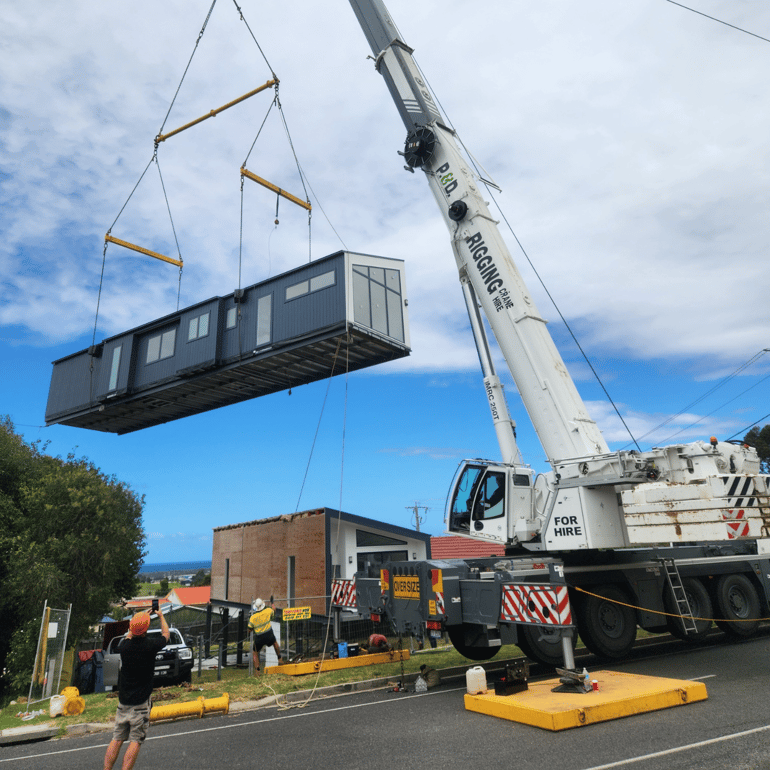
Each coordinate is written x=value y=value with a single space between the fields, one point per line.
x=737 y=604
x=607 y=626
x=542 y=645
x=458 y=637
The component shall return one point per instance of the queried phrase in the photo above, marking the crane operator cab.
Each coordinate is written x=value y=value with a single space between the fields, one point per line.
x=487 y=500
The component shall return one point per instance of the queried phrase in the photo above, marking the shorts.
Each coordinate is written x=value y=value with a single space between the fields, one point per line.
x=131 y=722
x=263 y=640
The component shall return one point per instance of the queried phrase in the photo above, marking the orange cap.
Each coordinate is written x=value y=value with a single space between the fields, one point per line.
x=139 y=623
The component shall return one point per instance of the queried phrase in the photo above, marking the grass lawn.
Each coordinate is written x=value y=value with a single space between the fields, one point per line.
x=100 y=707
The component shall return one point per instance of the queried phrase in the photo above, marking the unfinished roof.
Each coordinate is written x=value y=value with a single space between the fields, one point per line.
x=338 y=314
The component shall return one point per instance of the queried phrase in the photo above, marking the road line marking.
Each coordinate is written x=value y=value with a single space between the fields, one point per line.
x=679 y=749
x=251 y=723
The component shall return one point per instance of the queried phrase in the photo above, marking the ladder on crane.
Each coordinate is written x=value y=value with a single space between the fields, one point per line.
x=681 y=603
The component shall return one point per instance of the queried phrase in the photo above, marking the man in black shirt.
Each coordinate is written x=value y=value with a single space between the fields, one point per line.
x=137 y=668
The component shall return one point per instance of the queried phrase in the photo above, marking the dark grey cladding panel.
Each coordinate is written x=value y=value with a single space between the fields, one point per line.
x=72 y=386
x=270 y=336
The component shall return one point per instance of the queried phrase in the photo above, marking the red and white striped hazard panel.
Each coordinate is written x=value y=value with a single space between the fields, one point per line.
x=538 y=605
x=741 y=495
x=736 y=523
x=344 y=593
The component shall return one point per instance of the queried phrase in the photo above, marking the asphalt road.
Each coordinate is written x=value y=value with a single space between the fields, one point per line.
x=383 y=729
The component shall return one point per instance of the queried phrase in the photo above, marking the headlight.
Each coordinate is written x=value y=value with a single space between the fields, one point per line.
x=185 y=653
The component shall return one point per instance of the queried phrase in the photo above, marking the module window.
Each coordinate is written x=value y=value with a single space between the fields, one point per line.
x=309 y=286
x=199 y=327
x=161 y=346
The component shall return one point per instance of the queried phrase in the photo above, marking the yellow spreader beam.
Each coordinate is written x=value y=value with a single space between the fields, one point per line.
x=142 y=250
x=334 y=664
x=270 y=186
x=619 y=695
x=212 y=113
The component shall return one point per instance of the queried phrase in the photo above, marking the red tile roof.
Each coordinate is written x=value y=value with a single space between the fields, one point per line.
x=143 y=603
x=192 y=595
x=456 y=547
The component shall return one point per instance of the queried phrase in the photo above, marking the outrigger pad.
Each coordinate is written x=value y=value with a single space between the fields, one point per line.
x=338 y=314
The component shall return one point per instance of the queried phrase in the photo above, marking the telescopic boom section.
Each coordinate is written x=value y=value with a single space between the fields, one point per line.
x=547 y=390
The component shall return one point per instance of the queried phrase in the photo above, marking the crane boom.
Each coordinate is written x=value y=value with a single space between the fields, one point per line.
x=550 y=397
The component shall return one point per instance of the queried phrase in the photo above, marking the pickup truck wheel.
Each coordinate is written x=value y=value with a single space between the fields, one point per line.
x=457 y=637
x=700 y=606
x=606 y=624
x=737 y=605
x=543 y=645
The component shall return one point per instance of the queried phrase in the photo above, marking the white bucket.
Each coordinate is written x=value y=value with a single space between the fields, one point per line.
x=476 y=680
x=57 y=705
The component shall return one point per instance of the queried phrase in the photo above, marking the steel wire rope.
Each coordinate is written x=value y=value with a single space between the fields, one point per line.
x=173 y=229
x=567 y=326
x=184 y=74
x=318 y=426
x=713 y=18
x=286 y=707
x=243 y=19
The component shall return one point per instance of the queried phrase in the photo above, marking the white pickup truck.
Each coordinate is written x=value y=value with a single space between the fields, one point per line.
x=173 y=664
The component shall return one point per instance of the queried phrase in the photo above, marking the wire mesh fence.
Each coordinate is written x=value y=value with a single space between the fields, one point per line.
x=49 y=659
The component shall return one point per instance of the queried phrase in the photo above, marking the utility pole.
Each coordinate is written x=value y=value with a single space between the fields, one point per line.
x=415 y=509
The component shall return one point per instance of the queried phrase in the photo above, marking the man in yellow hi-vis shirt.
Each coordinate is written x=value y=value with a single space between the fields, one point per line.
x=259 y=623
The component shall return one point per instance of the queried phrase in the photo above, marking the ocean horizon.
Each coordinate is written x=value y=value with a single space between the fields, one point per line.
x=175 y=566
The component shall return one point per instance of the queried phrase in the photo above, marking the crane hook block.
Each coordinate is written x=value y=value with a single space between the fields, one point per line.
x=142 y=250
x=419 y=146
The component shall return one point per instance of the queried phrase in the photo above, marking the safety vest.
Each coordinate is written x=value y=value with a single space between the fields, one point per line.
x=259 y=622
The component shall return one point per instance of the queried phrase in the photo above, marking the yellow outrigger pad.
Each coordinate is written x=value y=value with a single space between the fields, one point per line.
x=619 y=695
x=333 y=664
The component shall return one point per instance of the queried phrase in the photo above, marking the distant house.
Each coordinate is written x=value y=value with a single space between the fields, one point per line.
x=295 y=557
x=198 y=596
x=457 y=547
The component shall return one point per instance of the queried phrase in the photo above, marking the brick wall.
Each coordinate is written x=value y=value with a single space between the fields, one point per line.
x=259 y=557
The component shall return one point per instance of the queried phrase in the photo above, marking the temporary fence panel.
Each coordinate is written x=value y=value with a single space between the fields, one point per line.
x=49 y=659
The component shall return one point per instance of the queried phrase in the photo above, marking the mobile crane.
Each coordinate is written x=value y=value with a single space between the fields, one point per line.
x=604 y=541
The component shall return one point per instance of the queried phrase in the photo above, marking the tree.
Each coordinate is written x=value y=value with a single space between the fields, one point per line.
x=69 y=534
x=162 y=588
x=760 y=439
x=202 y=578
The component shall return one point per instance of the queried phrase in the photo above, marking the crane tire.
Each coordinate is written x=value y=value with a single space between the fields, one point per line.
x=737 y=603
x=457 y=636
x=700 y=605
x=606 y=625
x=535 y=643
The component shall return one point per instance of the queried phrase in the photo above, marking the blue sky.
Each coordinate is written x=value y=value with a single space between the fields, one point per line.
x=630 y=141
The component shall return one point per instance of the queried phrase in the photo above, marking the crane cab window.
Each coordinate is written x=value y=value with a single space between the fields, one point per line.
x=479 y=495
x=490 y=498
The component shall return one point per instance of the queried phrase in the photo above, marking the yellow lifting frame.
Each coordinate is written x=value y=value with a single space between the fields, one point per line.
x=142 y=250
x=270 y=186
x=162 y=137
